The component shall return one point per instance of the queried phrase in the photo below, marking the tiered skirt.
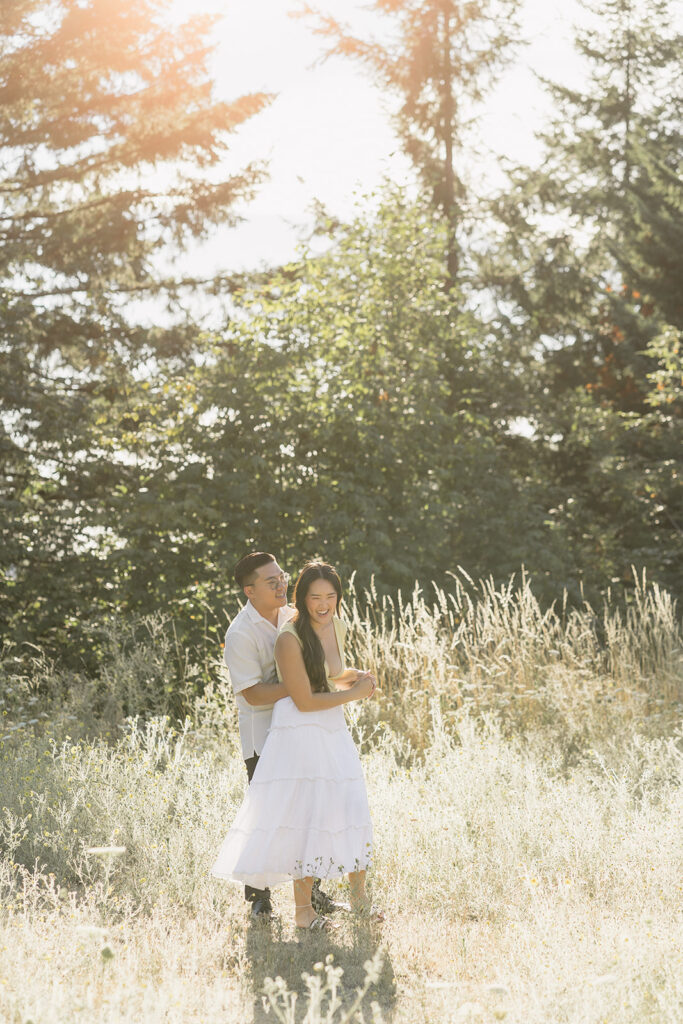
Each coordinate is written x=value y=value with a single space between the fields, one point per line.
x=306 y=809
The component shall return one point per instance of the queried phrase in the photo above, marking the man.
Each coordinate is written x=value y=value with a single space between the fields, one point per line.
x=249 y=647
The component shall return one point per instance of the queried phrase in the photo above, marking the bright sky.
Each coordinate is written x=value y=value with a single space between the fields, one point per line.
x=328 y=133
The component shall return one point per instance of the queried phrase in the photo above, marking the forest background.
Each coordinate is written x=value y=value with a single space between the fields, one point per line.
x=447 y=379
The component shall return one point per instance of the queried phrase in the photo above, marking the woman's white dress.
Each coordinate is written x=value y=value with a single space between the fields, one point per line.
x=306 y=809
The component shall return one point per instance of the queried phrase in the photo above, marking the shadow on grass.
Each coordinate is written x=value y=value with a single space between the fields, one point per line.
x=273 y=953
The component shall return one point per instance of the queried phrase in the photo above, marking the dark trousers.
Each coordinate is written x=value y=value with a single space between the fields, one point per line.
x=251 y=894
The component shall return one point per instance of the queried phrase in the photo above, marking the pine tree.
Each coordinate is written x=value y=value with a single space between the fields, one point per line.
x=444 y=56
x=569 y=225
x=587 y=274
x=110 y=140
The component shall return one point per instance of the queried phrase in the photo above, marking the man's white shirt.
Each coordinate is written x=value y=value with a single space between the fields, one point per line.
x=249 y=655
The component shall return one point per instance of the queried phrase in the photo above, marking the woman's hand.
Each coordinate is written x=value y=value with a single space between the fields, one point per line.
x=364 y=686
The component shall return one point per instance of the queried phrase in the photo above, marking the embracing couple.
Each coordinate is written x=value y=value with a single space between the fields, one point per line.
x=305 y=816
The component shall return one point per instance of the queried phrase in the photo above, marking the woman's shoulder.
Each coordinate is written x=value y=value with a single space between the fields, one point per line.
x=341 y=625
x=288 y=627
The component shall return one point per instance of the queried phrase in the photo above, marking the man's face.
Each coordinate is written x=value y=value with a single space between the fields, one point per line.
x=269 y=589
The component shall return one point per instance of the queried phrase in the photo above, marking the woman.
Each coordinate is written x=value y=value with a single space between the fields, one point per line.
x=306 y=811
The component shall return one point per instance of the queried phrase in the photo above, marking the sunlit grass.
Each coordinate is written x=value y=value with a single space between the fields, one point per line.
x=528 y=847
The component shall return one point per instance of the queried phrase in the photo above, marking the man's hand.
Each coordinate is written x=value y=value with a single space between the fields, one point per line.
x=263 y=694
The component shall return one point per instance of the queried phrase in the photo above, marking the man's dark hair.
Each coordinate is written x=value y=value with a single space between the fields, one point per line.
x=245 y=570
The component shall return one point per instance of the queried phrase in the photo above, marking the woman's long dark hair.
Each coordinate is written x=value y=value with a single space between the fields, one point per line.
x=314 y=656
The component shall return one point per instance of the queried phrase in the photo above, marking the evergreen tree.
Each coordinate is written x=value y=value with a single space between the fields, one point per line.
x=110 y=136
x=443 y=56
x=587 y=273
x=569 y=225
x=650 y=255
x=392 y=457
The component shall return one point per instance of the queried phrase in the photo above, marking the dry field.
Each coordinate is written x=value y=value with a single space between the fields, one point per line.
x=525 y=776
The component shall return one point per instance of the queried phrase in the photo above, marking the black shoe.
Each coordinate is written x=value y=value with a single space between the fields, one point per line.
x=261 y=910
x=324 y=904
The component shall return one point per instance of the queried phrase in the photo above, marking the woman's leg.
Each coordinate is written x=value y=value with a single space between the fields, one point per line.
x=360 y=903
x=304 y=913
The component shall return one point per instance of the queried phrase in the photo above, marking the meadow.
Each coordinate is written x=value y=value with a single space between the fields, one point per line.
x=524 y=770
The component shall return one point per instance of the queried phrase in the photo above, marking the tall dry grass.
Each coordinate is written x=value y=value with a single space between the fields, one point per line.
x=496 y=651
x=525 y=774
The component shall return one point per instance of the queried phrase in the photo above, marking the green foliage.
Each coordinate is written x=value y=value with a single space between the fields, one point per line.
x=356 y=405
x=667 y=379
x=108 y=135
x=352 y=408
x=586 y=232
x=650 y=255
x=587 y=274
x=393 y=450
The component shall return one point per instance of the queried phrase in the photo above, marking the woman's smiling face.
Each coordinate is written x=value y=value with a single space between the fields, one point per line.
x=321 y=601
